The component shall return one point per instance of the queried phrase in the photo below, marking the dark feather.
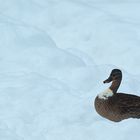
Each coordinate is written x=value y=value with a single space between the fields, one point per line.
x=127 y=104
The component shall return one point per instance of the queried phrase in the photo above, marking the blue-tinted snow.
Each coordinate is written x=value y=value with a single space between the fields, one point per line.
x=54 y=56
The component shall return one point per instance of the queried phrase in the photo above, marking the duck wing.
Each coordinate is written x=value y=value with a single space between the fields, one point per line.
x=128 y=104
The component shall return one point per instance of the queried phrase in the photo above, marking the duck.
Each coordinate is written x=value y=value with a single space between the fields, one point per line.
x=116 y=106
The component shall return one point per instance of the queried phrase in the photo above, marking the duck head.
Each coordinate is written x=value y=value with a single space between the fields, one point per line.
x=115 y=75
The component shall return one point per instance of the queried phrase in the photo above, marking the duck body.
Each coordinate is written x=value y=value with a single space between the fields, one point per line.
x=117 y=106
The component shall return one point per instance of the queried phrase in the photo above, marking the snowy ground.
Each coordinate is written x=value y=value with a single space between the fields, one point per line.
x=54 y=55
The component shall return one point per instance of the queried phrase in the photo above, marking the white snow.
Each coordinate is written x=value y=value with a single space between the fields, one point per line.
x=54 y=56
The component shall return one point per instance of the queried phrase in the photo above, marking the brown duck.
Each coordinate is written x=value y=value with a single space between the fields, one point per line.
x=117 y=106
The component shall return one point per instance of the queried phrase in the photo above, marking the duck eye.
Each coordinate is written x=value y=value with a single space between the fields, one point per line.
x=113 y=75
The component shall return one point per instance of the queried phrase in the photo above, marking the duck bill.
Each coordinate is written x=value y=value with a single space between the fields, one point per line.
x=107 y=80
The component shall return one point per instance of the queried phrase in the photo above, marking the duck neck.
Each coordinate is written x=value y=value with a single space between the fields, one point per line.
x=115 y=85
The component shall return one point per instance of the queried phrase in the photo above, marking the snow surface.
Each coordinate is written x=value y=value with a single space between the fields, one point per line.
x=54 y=56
